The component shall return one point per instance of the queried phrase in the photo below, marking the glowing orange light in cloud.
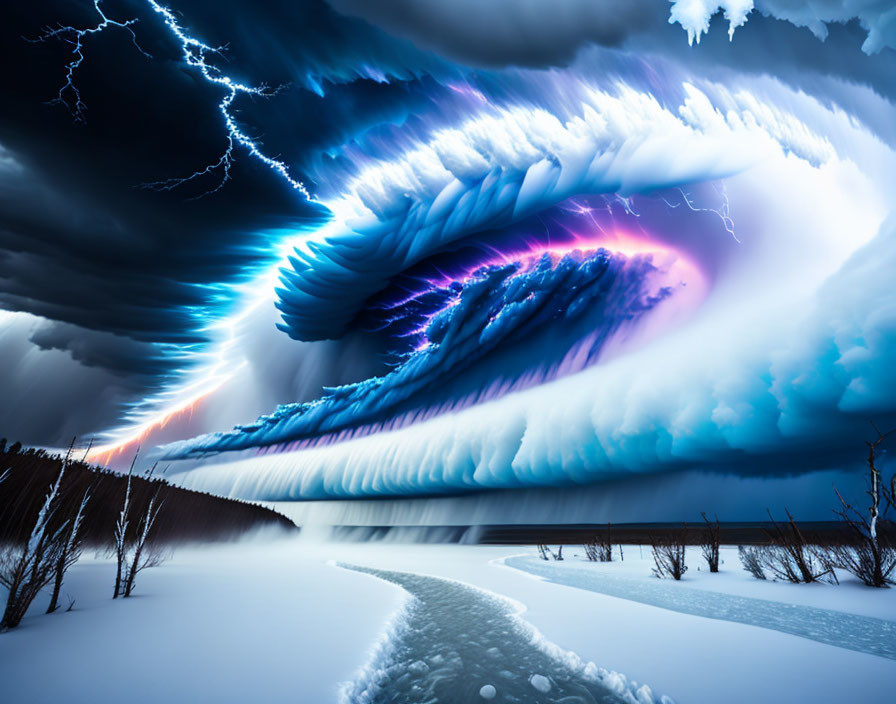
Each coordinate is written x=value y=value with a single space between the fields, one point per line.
x=137 y=435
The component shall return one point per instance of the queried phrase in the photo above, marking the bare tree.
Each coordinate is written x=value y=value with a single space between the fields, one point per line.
x=874 y=491
x=25 y=570
x=791 y=557
x=869 y=552
x=546 y=553
x=872 y=561
x=593 y=550
x=69 y=554
x=752 y=560
x=145 y=554
x=669 y=554
x=600 y=549
x=710 y=543
x=120 y=534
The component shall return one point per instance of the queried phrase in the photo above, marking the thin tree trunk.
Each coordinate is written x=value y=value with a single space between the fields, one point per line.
x=121 y=530
x=118 y=578
x=132 y=572
x=9 y=621
x=57 y=585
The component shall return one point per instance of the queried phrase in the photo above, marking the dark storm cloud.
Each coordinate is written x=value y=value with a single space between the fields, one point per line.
x=505 y=32
x=80 y=240
x=129 y=276
x=541 y=33
x=123 y=271
x=538 y=34
x=48 y=395
x=114 y=353
x=827 y=69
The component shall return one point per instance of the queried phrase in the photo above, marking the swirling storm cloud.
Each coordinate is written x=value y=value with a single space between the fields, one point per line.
x=412 y=248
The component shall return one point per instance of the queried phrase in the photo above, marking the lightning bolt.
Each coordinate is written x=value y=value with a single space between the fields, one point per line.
x=723 y=212
x=198 y=55
x=68 y=94
x=199 y=383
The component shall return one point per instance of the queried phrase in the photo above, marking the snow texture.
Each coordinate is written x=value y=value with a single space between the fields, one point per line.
x=488 y=691
x=254 y=622
x=686 y=657
x=862 y=633
x=276 y=622
x=454 y=639
x=541 y=683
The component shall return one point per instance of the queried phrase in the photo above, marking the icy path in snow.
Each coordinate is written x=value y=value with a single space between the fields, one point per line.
x=862 y=633
x=457 y=643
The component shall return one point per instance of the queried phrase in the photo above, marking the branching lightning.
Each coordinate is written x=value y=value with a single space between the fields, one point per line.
x=69 y=94
x=723 y=212
x=197 y=54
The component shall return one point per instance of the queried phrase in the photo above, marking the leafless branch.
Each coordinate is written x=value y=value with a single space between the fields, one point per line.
x=144 y=555
x=669 y=554
x=793 y=558
x=28 y=568
x=710 y=543
x=600 y=548
x=120 y=534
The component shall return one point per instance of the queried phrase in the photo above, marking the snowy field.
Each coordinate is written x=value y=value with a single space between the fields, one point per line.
x=282 y=622
x=247 y=623
x=713 y=598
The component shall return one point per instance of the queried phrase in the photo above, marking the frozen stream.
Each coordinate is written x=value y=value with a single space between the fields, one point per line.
x=862 y=633
x=457 y=643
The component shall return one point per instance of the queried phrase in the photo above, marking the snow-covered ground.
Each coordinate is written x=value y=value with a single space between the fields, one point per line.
x=850 y=596
x=845 y=629
x=281 y=622
x=243 y=623
x=689 y=658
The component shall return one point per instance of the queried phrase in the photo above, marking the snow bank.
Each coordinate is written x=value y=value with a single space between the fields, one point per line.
x=364 y=687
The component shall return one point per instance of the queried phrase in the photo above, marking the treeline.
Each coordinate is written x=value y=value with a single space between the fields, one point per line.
x=188 y=515
x=731 y=533
x=788 y=552
x=862 y=543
